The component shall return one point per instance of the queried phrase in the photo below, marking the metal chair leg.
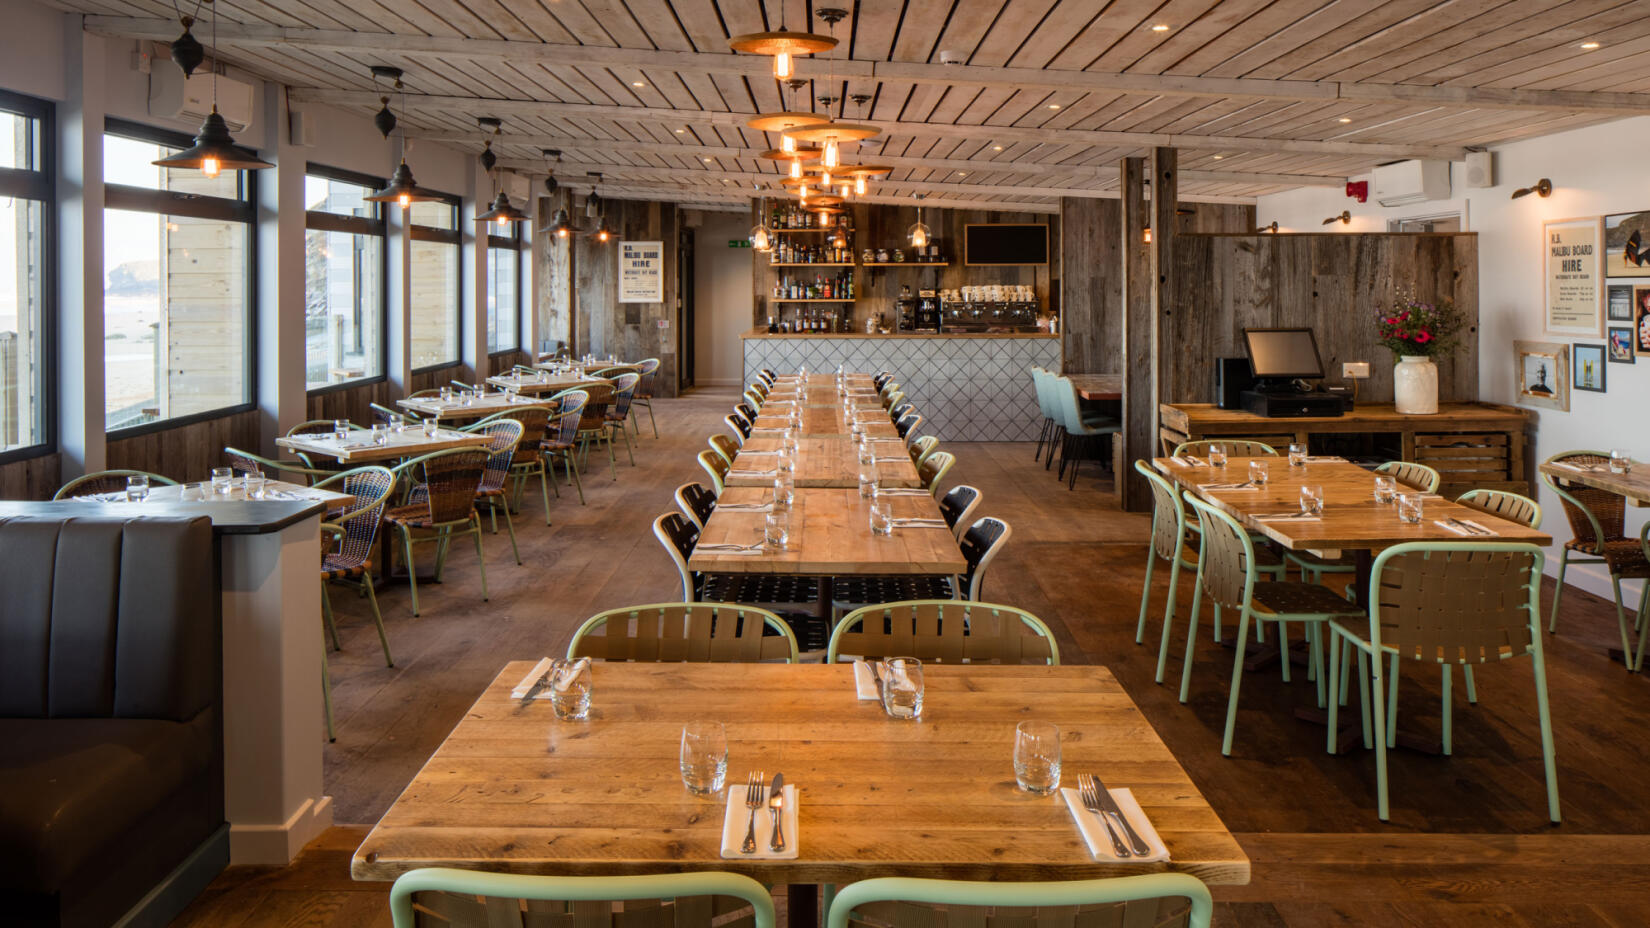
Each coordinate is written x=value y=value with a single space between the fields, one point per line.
x=377 y=618
x=481 y=559
x=326 y=694
x=326 y=610
x=412 y=569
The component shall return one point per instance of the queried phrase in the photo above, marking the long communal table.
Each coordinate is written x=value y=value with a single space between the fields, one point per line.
x=821 y=462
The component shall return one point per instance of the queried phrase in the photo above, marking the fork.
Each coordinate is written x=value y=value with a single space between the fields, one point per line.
x=1090 y=794
x=753 y=800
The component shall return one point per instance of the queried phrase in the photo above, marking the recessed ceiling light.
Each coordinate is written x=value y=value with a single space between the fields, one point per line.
x=680 y=131
x=1345 y=119
x=1054 y=106
x=1160 y=27
x=996 y=148
x=1218 y=157
x=707 y=161
x=638 y=83
x=962 y=173
x=1589 y=45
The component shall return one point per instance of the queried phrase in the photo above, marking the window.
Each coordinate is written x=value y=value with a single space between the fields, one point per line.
x=344 y=300
x=504 y=290
x=27 y=163
x=433 y=306
x=178 y=259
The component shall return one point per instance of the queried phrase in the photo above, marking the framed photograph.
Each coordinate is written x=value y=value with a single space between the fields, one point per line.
x=1618 y=344
x=1627 y=245
x=1641 y=318
x=1588 y=364
x=1618 y=301
x=1573 y=252
x=1543 y=374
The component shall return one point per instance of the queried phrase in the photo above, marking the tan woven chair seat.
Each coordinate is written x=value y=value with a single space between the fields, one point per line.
x=1300 y=599
x=1359 y=625
x=411 y=516
x=1624 y=555
x=336 y=567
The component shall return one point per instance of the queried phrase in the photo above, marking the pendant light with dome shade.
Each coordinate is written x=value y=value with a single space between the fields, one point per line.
x=919 y=234
x=784 y=45
x=402 y=188
x=214 y=150
x=501 y=211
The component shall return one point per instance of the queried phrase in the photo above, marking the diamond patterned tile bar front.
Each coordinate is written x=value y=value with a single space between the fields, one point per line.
x=967 y=388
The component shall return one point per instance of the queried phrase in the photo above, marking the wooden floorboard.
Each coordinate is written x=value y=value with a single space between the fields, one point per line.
x=1468 y=845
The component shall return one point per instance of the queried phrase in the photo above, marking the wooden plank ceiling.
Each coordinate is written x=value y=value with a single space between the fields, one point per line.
x=1044 y=98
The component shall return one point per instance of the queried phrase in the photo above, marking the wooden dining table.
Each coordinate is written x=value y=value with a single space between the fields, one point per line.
x=821 y=462
x=274 y=491
x=548 y=383
x=478 y=407
x=358 y=446
x=823 y=421
x=514 y=790
x=1098 y=386
x=1633 y=485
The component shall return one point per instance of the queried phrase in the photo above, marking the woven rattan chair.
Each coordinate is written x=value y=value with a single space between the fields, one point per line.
x=443 y=898
x=933 y=470
x=1228 y=574
x=1410 y=474
x=350 y=536
x=624 y=392
x=724 y=446
x=945 y=631
x=957 y=507
x=696 y=632
x=245 y=462
x=696 y=502
x=1598 y=536
x=649 y=369
x=100 y=482
x=1155 y=900
x=922 y=448
x=717 y=467
x=1235 y=447
x=446 y=507
x=593 y=426
x=529 y=460
x=1450 y=603
x=739 y=426
x=503 y=438
x=562 y=441
x=678 y=535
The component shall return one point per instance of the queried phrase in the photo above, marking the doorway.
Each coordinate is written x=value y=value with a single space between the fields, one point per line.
x=684 y=307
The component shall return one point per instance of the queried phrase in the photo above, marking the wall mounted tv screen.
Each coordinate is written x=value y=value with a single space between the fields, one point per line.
x=1006 y=243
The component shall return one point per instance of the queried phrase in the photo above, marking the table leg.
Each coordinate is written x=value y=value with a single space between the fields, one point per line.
x=802 y=905
x=1362 y=562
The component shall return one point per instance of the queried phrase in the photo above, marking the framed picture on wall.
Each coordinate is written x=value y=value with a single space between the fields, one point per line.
x=1543 y=374
x=1641 y=318
x=1572 y=250
x=1627 y=245
x=1618 y=344
x=1588 y=364
x=1618 y=301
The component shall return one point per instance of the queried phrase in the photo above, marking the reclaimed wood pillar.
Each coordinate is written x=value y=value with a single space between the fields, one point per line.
x=1139 y=346
x=1165 y=200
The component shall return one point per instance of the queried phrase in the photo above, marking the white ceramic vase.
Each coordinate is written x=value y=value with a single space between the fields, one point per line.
x=1415 y=385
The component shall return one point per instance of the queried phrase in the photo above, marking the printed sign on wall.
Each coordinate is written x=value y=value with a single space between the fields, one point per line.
x=641 y=272
x=1573 y=250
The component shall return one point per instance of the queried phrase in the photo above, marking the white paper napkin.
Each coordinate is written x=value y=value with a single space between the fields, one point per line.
x=1459 y=530
x=737 y=820
x=539 y=670
x=865 y=682
x=1094 y=831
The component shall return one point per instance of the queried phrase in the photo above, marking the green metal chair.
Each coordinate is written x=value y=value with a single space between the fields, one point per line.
x=106 y=481
x=562 y=439
x=694 y=631
x=347 y=555
x=530 y=458
x=1154 y=900
x=649 y=369
x=1503 y=505
x=1169 y=537
x=445 y=507
x=1599 y=534
x=1227 y=572
x=1444 y=603
x=624 y=392
x=932 y=470
x=593 y=425
x=245 y=462
x=945 y=630
x=438 y=897
x=504 y=437
x=1235 y=447
x=1412 y=475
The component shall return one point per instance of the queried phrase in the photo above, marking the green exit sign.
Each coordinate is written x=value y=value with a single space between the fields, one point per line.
x=739 y=243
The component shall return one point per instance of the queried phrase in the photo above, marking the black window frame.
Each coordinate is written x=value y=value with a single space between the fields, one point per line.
x=512 y=243
x=333 y=222
x=39 y=183
x=195 y=206
x=454 y=237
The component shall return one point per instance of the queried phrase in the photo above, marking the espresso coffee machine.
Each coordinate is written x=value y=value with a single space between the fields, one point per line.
x=920 y=313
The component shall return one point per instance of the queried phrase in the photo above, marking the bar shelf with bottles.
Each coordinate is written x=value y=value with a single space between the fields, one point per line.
x=838 y=288
x=835 y=251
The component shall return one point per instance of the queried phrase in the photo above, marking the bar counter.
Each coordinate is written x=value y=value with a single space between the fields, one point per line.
x=968 y=386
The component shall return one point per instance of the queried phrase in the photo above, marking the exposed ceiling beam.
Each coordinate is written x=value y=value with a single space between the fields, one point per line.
x=529 y=109
x=1613 y=103
x=1081 y=173
x=669 y=191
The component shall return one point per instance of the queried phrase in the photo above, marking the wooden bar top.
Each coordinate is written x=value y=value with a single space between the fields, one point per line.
x=514 y=790
x=1098 y=386
x=1209 y=419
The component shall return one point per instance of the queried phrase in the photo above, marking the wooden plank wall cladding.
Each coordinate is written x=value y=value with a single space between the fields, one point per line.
x=580 y=287
x=31 y=478
x=434 y=377
x=1334 y=283
x=187 y=452
x=1091 y=292
x=505 y=361
x=352 y=403
x=878 y=226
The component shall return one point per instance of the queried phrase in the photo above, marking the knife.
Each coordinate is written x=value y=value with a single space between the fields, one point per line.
x=1110 y=805
x=776 y=804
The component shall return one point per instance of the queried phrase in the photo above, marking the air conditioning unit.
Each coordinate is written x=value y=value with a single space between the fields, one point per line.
x=1404 y=182
x=173 y=96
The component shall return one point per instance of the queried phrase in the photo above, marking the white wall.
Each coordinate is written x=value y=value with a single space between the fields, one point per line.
x=722 y=300
x=1595 y=171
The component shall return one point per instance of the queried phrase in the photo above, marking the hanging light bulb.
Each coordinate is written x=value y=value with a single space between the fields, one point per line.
x=214 y=147
x=782 y=65
x=559 y=224
x=846 y=189
x=824 y=216
x=211 y=166
x=602 y=232
x=1146 y=236
x=919 y=233
x=787 y=144
x=859 y=184
x=830 y=158
x=825 y=178
x=796 y=167
x=759 y=233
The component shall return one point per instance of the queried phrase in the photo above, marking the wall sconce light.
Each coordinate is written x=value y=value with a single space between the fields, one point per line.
x=1542 y=188
x=1271 y=228
x=1146 y=235
x=1345 y=218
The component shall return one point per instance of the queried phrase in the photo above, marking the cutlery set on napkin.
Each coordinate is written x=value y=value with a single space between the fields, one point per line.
x=1464 y=527
x=1246 y=485
x=761 y=820
x=725 y=547
x=918 y=522
x=1287 y=517
x=1185 y=460
x=901 y=491
x=745 y=507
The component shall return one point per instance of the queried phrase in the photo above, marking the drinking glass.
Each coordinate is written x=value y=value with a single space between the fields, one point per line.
x=1217 y=455
x=467 y=397
x=446 y=394
x=340 y=429
x=1385 y=489
x=1037 y=757
x=787 y=464
x=784 y=491
x=137 y=488
x=776 y=529
x=256 y=484
x=570 y=689
x=1312 y=501
x=867 y=453
x=867 y=481
x=192 y=492
x=1409 y=508
x=398 y=423
x=380 y=434
x=882 y=516
x=1620 y=461
x=222 y=477
x=1259 y=471
x=430 y=426
x=704 y=758
x=902 y=688
x=1297 y=454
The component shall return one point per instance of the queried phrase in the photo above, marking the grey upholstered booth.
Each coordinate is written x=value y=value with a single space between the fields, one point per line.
x=111 y=741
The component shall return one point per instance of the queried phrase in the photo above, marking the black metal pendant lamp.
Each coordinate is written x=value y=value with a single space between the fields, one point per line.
x=402 y=188
x=214 y=150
